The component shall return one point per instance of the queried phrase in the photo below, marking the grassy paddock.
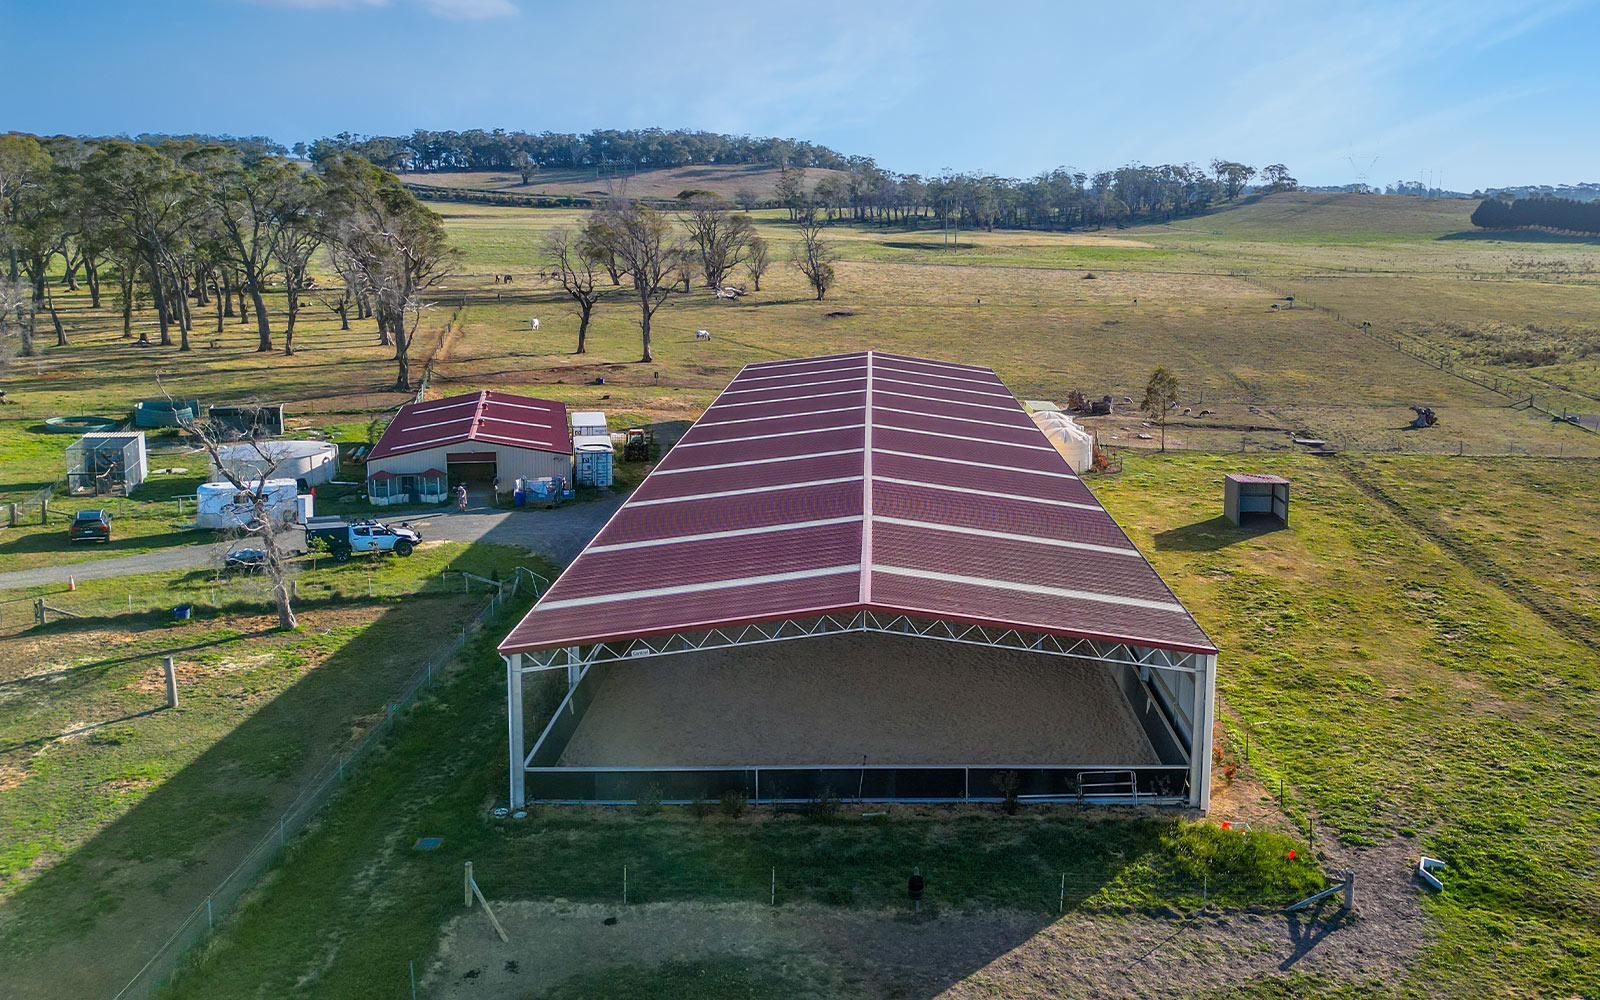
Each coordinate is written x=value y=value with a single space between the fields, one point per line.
x=116 y=814
x=356 y=884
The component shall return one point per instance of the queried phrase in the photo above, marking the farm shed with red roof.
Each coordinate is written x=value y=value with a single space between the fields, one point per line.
x=870 y=574
x=476 y=437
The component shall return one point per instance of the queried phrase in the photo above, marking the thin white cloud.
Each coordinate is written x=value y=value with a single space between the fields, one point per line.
x=470 y=10
x=457 y=10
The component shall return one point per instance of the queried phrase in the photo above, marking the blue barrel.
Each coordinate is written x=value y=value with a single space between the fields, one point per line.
x=182 y=612
x=519 y=498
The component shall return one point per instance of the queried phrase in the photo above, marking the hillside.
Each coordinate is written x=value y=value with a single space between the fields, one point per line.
x=724 y=179
x=1329 y=217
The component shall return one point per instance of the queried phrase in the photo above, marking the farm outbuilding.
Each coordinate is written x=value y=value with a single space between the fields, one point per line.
x=1252 y=497
x=312 y=462
x=872 y=576
x=476 y=438
x=236 y=422
x=107 y=463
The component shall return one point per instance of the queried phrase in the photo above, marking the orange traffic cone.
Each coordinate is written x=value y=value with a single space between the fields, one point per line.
x=72 y=583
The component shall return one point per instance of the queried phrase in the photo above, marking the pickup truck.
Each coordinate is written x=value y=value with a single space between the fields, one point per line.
x=344 y=538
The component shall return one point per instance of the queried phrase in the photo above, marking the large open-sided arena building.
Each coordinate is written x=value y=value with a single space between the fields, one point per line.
x=869 y=574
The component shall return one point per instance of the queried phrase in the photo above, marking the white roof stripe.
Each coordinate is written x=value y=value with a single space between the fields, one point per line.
x=759 y=461
x=1025 y=498
x=791 y=362
x=881 y=366
x=786 y=416
x=944 y=388
x=892 y=359
x=1006 y=535
x=732 y=533
x=964 y=437
x=951 y=402
x=1029 y=426
x=699 y=588
x=520 y=406
x=981 y=465
x=794 y=385
x=767 y=378
x=1030 y=588
x=763 y=437
x=788 y=399
x=429 y=408
x=744 y=492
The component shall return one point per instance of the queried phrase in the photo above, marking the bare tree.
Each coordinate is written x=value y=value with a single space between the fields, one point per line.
x=577 y=272
x=721 y=238
x=757 y=260
x=814 y=257
x=648 y=252
x=253 y=512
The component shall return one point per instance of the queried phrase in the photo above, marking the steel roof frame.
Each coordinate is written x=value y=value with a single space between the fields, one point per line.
x=728 y=637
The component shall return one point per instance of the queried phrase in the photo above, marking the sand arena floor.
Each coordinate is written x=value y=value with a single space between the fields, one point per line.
x=833 y=699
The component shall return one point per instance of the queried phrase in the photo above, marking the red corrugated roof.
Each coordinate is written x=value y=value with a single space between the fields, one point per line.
x=487 y=417
x=861 y=482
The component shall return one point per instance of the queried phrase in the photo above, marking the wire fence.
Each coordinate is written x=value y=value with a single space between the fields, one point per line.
x=1516 y=389
x=210 y=590
x=313 y=794
x=1032 y=889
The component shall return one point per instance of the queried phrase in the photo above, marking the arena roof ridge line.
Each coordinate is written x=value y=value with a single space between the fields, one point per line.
x=765 y=537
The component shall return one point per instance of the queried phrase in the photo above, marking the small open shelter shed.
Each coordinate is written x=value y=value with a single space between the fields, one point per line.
x=1253 y=497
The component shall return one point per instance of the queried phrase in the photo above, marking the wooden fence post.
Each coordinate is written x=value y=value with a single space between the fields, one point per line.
x=171 y=670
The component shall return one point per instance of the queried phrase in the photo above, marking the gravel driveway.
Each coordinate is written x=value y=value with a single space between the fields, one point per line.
x=558 y=535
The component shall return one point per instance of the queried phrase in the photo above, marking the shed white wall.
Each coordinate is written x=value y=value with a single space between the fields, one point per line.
x=244 y=461
x=511 y=462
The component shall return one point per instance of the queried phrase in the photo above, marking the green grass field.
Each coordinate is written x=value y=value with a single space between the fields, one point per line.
x=117 y=814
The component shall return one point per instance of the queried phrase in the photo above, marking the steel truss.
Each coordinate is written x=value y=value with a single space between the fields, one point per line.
x=1144 y=657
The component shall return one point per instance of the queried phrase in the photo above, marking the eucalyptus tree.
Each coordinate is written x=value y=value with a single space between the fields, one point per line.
x=148 y=203
x=397 y=246
x=252 y=200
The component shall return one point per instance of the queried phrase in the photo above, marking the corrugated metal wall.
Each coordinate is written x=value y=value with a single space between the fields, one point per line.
x=511 y=462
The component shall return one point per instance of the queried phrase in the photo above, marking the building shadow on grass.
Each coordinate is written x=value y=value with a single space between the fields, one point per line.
x=121 y=893
x=1213 y=534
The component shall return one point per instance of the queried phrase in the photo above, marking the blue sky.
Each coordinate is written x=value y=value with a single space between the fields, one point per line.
x=1478 y=93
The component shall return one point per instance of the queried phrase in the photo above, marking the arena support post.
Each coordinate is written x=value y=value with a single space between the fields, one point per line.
x=1203 y=714
x=514 y=724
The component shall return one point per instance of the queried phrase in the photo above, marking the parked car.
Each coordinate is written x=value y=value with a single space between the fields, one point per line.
x=90 y=526
x=343 y=538
x=245 y=560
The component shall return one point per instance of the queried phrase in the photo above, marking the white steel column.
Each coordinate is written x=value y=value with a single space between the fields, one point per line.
x=574 y=667
x=514 y=725
x=1202 y=715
